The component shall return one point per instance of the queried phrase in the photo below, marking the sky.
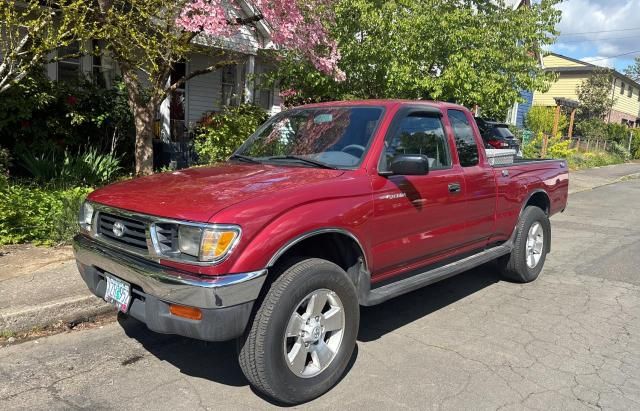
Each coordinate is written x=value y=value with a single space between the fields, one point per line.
x=599 y=31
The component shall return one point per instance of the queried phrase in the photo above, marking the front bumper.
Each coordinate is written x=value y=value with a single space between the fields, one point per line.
x=225 y=301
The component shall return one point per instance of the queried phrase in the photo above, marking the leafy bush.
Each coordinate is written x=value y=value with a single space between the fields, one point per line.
x=219 y=135
x=66 y=170
x=557 y=147
x=44 y=216
x=635 y=143
x=596 y=129
x=540 y=120
x=40 y=113
x=592 y=159
x=619 y=150
x=5 y=161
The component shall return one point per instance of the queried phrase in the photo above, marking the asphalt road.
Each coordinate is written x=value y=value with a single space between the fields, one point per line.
x=570 y=340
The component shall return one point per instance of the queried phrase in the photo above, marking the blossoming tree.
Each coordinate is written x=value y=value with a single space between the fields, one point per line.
x=30 y=30
x=148 y=37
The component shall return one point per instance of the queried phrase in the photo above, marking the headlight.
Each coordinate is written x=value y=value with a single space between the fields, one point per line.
x=86 y=216
x=189 y=238
x=207 y=243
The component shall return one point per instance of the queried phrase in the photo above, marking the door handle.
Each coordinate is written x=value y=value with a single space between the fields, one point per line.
x=454 y=187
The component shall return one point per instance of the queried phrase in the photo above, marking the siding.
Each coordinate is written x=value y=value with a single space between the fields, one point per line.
x=524 y=107
x=553 y=60
x=566 y=87
x=203 y=92
x=624 y=103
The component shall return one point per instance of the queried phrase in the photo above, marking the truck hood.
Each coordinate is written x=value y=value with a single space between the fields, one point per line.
x=197 y=194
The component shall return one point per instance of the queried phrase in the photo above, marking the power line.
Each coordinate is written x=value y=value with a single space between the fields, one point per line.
x=599 y=31
x=597 y=39
x=612 y=57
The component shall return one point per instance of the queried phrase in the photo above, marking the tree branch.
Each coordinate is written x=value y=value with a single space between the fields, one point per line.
x=173 y=87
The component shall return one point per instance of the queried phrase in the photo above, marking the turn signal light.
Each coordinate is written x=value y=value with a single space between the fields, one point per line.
x=191 y=313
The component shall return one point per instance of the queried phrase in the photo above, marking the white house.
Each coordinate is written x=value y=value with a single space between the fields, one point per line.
x=202 y=94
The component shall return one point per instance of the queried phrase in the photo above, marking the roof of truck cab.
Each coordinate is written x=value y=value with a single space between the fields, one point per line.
x=387 y=103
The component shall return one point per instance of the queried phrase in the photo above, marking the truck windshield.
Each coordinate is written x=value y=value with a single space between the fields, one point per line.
x=330 y=137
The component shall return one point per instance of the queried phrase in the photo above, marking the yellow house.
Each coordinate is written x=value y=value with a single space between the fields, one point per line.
x=571 y=73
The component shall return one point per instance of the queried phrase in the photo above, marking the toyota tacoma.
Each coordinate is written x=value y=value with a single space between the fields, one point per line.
x=325 y=208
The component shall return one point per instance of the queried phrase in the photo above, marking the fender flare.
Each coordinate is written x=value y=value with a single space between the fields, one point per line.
x=524 y=205
x=313 y=233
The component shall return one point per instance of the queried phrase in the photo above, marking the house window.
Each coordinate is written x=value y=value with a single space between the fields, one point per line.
x=630 y=92
x=101 y=70
x=621 y=88
x=229 y=85
x=69 y=67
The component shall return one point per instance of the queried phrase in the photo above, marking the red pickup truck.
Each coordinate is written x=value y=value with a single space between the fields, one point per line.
x=325 y=208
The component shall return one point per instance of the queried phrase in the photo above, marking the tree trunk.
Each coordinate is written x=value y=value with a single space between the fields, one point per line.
x=144 y=117
x=144 y=110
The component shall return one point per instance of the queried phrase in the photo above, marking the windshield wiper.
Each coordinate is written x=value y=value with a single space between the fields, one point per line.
x=245 y=158
x=315 y=163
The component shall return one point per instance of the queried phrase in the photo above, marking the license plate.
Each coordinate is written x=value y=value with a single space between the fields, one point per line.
x=118 y=293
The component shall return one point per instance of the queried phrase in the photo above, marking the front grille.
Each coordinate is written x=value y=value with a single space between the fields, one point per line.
x=134 y=235
x=167 y=235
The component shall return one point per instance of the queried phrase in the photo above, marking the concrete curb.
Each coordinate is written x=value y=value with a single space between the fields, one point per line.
x=70 y=310
x=603 y=181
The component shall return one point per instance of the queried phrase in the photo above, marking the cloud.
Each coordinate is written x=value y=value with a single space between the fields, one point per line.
x=602 y=16
x=600 y=61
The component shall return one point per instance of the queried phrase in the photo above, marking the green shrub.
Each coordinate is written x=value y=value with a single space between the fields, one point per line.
x=540 y=120
x=220 y=134
x=635 y=143
x=556 y=147
x=65 y=170
x=619 y=150
x=592 y=159
x=40 y=113
x=5 y=160
x=44 y=216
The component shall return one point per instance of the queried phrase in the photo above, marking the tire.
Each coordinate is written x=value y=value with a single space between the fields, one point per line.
x=268 y=358
x=521 y=265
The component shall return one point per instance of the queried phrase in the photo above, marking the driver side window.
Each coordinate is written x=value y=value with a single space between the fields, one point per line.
x=418 y=133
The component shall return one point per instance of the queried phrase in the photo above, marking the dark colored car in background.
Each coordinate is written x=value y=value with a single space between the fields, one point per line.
x=497 y=135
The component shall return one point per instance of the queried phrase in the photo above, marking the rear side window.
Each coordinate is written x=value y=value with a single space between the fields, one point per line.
x=465 y=142
x=502 y=132
x=418 y=133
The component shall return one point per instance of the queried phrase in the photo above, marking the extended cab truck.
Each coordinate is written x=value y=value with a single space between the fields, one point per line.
x=325 y=208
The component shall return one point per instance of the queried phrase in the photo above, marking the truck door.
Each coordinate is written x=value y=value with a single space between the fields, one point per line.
x=479 y=177
x=416 y=218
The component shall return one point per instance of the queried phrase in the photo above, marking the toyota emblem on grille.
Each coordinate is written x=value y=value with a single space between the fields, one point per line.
x=118 y=229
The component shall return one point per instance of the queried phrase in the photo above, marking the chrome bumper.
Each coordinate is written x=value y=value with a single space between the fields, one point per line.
x=167 y=284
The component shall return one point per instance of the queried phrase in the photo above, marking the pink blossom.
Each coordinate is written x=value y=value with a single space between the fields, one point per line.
x=297 y=26
x=288 y=93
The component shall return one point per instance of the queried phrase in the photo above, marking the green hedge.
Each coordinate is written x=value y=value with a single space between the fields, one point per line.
x=30 y=213
x=219 y=135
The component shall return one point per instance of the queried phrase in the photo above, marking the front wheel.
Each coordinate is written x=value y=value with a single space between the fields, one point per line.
x=530 y=247
x=303 y=334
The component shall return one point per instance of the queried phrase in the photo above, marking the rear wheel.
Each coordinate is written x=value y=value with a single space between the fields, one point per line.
x=529 y=253
x=303 y=334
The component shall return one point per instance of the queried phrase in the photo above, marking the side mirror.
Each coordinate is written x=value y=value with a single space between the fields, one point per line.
x=409 y=165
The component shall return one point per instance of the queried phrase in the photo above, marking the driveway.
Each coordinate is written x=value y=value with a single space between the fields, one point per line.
x=570 y=340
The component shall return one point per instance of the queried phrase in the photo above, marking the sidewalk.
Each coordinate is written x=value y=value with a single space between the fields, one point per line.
x=40 y=287
x=597 y=177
